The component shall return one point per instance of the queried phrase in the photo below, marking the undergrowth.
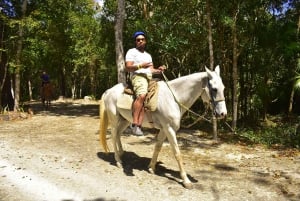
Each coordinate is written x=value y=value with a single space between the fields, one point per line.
x=276 y=131
x=285 y=135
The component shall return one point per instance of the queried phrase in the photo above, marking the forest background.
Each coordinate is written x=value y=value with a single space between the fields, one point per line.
x=81 y=45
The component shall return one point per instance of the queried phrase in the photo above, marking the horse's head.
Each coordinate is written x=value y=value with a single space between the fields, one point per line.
x=215 y=91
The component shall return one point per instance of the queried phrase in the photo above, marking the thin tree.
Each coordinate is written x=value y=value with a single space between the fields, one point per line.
x=234 y=70
x=211 y=59
x=120 y=15
x=296 y=85
x=18 y=57
x=3 y=62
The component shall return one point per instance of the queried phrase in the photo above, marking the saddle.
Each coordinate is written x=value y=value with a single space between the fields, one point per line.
x=150 y=103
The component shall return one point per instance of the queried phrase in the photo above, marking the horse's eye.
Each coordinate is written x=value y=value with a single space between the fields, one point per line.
x=215 y=90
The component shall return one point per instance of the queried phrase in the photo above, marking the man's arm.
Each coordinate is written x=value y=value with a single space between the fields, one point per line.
x=131 y=67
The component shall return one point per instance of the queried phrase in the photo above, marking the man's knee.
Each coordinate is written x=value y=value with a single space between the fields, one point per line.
x=141 y=97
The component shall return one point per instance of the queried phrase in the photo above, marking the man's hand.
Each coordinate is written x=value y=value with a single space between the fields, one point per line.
x=158 y=70
x=162 y=68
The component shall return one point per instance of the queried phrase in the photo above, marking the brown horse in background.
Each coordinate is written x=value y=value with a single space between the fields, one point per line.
x=47 y=94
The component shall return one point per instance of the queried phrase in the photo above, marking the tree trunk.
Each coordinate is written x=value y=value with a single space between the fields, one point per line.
x=18 y=59
x=30 y=90
x=120 y=15
x=63 y=82
x=211 y=60
x=73 y=90
x=3 y=64
x=234 y=73
x=293 y=90
x=210 y=40
x=146 y=13
x=291 y=102
x=92 y=79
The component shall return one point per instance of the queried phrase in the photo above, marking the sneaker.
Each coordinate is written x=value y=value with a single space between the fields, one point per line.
x=136 y=130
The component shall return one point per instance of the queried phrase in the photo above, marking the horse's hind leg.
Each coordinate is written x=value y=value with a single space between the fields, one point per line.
x=122 y=125
x=159 y=141
x=44 y=103
x=48 y=104
x=116 y=139
x=115 y=146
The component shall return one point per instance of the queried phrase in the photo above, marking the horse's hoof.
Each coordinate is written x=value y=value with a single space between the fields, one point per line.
x=119 y=165
x=151 y=170
x=188 y=185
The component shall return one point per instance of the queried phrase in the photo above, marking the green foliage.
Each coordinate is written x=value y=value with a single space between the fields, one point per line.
x=75 y=44
x=284 y=134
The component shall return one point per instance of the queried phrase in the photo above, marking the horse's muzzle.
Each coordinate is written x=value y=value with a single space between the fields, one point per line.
x=220 y=110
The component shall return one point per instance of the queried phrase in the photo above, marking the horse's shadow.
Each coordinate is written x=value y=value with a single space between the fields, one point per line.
x=132 y=161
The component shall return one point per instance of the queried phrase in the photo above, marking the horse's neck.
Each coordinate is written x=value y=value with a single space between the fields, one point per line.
x=187 y=89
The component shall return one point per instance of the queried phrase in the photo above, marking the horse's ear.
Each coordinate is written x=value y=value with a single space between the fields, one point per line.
x=217 y=70
x=209 y=72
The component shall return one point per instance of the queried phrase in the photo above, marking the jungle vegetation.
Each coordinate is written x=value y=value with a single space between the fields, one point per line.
x=81 y=44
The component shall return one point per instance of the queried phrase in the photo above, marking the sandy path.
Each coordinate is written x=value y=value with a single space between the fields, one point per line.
x=55 y=155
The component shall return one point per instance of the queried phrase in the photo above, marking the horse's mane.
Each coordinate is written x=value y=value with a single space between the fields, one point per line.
x=176 y=83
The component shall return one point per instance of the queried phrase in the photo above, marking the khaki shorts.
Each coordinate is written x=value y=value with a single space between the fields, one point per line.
x=140 y=84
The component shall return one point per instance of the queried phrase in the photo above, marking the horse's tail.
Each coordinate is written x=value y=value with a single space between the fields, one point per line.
x=103 y=125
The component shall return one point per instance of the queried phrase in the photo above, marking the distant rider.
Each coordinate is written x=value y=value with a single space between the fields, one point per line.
x=45 y=78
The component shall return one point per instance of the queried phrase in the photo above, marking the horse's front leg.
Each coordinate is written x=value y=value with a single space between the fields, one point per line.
x=171 y=134
x=159 y=141
x=122 y=124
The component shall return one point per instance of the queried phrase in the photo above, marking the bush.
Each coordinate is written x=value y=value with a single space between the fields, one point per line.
x=283 y=134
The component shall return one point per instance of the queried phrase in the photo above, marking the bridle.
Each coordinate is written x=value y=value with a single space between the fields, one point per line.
x=213 y=99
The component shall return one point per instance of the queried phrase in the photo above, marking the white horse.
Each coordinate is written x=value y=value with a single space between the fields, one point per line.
x=174 y=98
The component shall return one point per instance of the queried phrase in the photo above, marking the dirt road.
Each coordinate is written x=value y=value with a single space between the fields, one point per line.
x=56 y=156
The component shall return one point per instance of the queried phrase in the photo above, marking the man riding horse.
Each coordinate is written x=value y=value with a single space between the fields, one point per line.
x=45 y=78
x=174 y=97
x=46 y=89
x=139 y=64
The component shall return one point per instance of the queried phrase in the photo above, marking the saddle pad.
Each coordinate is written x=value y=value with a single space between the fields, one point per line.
x=125 y=101
x=152 y=96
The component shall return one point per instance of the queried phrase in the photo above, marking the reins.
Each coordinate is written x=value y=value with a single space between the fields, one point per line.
x=182 y=105
x=188 y=109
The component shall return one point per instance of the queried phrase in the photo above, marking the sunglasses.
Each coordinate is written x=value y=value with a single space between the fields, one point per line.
x=139 y=39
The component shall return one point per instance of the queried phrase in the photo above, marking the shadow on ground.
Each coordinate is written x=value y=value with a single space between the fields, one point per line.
x=132 y=161
x=64 y=108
